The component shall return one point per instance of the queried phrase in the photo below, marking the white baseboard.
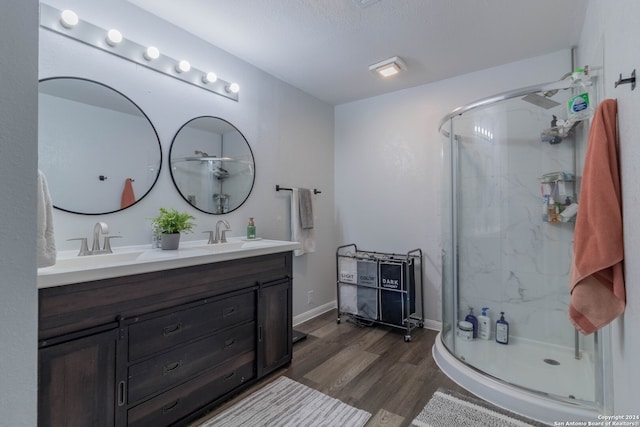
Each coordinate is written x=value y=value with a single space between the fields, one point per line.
x=434 y=325
x=317 y=311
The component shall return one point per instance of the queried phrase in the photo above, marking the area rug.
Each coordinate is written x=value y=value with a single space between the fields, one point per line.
x=448 y=408
x=285 y=402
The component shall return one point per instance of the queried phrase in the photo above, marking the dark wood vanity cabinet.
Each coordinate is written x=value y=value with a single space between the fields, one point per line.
x=177 y=342
x=77 y=380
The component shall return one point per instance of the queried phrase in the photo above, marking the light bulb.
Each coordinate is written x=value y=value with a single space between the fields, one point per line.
x=210 y=77
x=114 y=37
x=233 y=88
x=183 y=66
x=151 y=53
x=68 y=18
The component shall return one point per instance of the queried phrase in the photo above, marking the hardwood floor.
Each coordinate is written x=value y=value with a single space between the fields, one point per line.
x=371 y=368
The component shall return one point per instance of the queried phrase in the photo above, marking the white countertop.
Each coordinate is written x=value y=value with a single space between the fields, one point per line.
x=124 y=261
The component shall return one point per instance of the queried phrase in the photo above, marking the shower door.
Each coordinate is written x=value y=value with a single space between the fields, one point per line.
x=504 y=249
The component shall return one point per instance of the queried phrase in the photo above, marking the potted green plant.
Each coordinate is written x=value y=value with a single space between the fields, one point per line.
x=169 y=224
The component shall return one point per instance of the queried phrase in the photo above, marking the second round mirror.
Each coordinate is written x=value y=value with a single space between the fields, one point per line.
x=212 y=165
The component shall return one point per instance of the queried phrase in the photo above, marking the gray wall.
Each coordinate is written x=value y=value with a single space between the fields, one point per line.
x=18 y=156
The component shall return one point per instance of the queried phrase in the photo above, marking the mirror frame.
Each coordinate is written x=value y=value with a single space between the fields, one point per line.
x=155 y=132
x=253 y=181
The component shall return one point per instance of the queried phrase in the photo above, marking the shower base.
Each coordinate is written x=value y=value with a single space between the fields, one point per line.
x=569 y=389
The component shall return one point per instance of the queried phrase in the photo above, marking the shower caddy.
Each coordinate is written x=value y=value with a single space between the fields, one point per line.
x=385 y=286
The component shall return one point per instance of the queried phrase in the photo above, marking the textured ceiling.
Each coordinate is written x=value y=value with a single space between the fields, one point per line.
x=324 y=47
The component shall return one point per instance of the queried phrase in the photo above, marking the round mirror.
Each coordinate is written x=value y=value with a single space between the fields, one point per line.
x=97 y=149
x=212 y=165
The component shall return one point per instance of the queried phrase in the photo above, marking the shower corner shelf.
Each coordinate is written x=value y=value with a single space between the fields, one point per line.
x=558 y=186
x=376 y=288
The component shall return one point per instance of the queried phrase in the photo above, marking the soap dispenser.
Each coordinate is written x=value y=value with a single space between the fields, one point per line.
x=502 y=330
x=484 y=325
x=251 y=229
x=471 y=318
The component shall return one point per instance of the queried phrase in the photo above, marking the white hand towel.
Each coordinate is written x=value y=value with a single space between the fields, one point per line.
x=306 y=237
x=45 y=239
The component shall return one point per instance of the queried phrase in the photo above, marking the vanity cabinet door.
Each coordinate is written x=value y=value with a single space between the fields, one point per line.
x=77 y=382
x=275 y=328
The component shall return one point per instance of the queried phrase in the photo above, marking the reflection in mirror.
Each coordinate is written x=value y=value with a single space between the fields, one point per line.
x=91 y=141
x=212 y=165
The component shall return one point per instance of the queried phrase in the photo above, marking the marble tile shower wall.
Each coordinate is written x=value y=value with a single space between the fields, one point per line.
x=510 y=259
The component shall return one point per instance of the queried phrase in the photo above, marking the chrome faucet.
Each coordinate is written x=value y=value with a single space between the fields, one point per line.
x=99 y=227
x=221 y=238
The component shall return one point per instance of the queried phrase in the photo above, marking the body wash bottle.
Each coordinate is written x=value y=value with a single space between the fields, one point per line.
x=473 y=320
x=484 y=325
x=502 y=330
x=251 y=229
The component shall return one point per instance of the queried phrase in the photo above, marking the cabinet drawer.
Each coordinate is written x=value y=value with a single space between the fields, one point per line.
x=181 y=401
x=167 y=369
x=150 y=336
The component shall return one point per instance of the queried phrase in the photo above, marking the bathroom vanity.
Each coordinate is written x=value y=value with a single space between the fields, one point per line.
x=162 y=347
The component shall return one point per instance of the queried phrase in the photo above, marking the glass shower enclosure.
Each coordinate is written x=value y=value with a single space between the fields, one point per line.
x=512 y=167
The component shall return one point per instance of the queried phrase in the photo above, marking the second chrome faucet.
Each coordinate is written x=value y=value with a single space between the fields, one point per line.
x=220 y=235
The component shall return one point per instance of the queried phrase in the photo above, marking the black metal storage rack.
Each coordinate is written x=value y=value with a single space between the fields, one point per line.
x=380 y=288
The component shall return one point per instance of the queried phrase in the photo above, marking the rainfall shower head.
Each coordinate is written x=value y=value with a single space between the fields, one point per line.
x=540 y=101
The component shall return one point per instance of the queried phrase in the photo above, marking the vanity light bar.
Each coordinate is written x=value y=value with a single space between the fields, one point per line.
x=112 y=41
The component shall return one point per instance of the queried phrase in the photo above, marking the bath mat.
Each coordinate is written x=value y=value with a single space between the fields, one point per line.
x=285 y=402
x=448 y=408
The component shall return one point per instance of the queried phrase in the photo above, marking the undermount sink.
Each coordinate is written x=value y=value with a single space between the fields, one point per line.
x=221 y=247
x=96 y=261
x=231 y=246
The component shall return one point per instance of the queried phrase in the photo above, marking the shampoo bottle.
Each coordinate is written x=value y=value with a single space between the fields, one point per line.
x=251 y=229
x=473 y=320
x=502 y=330
x=552 y=215
x=484 y=325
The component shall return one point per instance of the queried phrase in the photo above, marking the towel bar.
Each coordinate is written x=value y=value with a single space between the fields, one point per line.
x=278 y=188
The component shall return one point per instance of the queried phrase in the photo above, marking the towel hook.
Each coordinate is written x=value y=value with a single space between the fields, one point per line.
x=102 y=177
x=630 y=80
